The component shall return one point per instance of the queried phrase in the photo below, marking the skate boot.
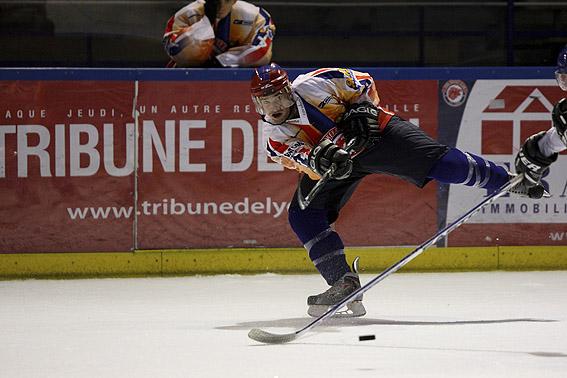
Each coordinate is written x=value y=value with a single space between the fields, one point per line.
x=349 y=282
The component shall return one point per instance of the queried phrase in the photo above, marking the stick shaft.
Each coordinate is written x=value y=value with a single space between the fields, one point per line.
x=271 y=338
x=416 y=252
x=305 y=201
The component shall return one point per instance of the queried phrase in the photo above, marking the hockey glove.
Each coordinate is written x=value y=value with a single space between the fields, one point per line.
x=531 y=162
x=327 y=156
x=211 y=10
x=559 y=116
x=360 y=121
x=526 y=189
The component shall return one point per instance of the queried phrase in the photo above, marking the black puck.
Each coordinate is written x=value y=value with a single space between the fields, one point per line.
x=366 y=337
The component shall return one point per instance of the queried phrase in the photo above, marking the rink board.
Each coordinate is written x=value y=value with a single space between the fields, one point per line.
x=258 y=260
x=81 y=172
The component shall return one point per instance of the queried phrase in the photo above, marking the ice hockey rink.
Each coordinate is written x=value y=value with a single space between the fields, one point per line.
x=489 y=324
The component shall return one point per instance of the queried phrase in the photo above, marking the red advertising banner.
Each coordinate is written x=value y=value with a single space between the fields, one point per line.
x=63 y=151
x=79 y=174
x=205 y=179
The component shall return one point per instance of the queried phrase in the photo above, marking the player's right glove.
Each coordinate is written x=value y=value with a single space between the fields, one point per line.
x=559 y=117
x=360 y=122
x=328 y=156
x=533 y=164
x=211 y=10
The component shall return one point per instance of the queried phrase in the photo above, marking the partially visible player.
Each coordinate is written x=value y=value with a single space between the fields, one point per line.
x=309 y=122
x=219 y=33
x=540 y=150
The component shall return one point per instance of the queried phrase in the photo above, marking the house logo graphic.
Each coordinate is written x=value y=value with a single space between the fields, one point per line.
x=514 y=114
x=498 y=117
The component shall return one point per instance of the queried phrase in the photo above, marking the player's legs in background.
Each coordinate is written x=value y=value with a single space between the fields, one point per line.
x=457 y=167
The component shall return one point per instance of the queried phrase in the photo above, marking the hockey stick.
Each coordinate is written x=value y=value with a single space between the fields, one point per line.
x=273 y=338
x=305 y=201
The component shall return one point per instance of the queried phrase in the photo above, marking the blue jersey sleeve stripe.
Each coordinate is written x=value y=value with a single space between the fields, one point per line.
x=264 y=29
x=330 y=75
x=316 y=118
x=367 y=83
x=266 y=16
x=223 y=29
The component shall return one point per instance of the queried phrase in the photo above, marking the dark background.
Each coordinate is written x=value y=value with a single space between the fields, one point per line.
x=309 y=33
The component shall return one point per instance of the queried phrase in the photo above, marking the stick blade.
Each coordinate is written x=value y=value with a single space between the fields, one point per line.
x=265 y=337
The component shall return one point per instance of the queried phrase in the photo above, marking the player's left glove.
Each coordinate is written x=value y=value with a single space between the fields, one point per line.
x=533 y=164
x=211 y=10
x=327 y=156
x=360 y=121
x=559 y=117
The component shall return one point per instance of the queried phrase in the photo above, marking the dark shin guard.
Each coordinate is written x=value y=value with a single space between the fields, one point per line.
x=323 y=244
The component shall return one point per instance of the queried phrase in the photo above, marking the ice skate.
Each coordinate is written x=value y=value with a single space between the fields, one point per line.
x=321 y=303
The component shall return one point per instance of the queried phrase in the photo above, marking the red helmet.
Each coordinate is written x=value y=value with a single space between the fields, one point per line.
x=271 y=93
x=268 y=79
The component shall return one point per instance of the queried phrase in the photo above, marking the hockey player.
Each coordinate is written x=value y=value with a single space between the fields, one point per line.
x=307 y=125
x=540 y=150
x=219 y=33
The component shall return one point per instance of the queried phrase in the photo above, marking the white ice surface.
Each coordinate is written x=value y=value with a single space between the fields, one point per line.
x=497 y=324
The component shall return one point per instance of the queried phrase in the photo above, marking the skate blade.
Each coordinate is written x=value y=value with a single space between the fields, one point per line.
x=354 y=309
x=546 y=194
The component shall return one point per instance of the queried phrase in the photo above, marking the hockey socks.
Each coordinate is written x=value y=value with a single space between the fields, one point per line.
x=457 y=167
x=323 y=244
x=327 y=252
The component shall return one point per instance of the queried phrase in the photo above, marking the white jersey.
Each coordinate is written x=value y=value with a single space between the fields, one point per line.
x=321 y=97
x=242 y=39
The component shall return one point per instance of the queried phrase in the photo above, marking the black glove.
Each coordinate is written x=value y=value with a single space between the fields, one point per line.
x=559 y=116
x=360 y=121
x=531 y=162
x=524 y=189
x=211 y=9
x=328 y=156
